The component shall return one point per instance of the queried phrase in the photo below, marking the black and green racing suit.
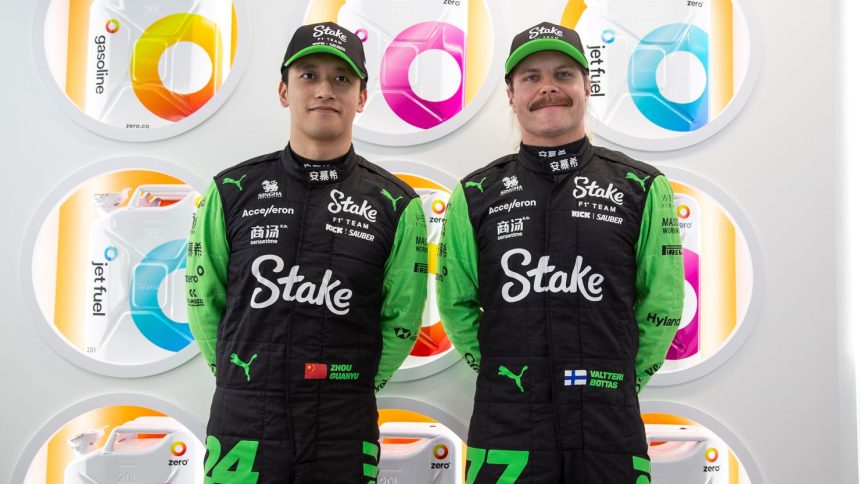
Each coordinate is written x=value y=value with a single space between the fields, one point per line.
x=560 y=282
x=306 y=283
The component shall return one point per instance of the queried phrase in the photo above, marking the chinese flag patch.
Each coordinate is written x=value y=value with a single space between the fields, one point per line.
x=316 y=371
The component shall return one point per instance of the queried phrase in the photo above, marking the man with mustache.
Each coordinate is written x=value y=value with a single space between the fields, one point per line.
x=302 y=291
x=561 y=283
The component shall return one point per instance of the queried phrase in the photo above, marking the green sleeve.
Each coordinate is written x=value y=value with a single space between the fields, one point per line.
x=659 y=280
x=457 y=280
x=404 y=291
x=206 y=284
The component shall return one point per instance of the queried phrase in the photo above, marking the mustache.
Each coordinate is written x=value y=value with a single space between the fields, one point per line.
x=551 y=100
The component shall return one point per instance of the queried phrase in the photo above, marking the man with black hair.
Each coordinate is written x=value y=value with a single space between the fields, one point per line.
x=561 y=284
x=308 y=290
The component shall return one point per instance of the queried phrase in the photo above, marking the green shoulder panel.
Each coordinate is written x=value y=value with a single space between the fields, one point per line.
x=457 y=279
x=404 y=291
x=659 y=280
x=208 y=260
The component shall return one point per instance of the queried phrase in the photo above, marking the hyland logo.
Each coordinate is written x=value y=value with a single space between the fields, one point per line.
x=266 y=211
x=517 y=378
x=234 y=358
x=326 y=294
x=405 y=334
x=231 y=181
x=267 y=234
x=343 y=203
x=507 y=207
x=511 y=185
x=323 y=371
x=270 y=190
x=575 y=377
x=640 y=181
x=663 y=321
x=479 y=185
x=583 y=187
x=507 y=229
x=578 y=280
x=673 y=250
x=385 y=193
x=592 y=378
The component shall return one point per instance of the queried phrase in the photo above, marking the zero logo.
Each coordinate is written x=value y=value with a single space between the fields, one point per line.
x=711 y=455
x=440 y=451
x=178 y=448
x=683 y=212
x=394 y=73
x=146 y=311
x=112 y=26
x=111 y=253
x=642 y=78
x=155 y=40
x=438 y=207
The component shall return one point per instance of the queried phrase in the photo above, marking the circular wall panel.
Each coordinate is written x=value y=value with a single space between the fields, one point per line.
x=432 y=65
x=687 y=446
x=141 y=71
x=664 y=76
x=105 y=256
x=115 y=438
x=433 y=351
x=723 y=279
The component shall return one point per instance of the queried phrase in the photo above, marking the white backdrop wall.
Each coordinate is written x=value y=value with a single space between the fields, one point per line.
x=785 y=394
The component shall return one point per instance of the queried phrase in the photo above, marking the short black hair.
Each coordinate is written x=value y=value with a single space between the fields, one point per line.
x=285 y=76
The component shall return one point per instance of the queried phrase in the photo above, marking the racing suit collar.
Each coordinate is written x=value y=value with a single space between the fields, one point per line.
x=323 y=173
x=557 y=160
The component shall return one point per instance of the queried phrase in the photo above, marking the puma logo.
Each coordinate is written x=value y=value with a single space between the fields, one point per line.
x=234 y=358
x=231 y=181
x=478 y=184
x=504 y=371
x=640 y=181
x=388 y=195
